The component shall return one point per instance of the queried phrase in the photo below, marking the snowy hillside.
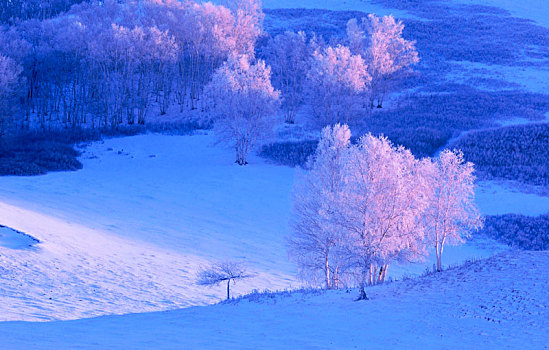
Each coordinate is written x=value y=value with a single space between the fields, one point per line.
x=129 y=231
x=498 y=303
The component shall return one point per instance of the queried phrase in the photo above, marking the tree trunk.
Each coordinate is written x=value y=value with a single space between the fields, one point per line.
x=327 y=271
x=228 y=288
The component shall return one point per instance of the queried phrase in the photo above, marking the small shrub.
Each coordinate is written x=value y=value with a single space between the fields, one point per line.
x=289 y=153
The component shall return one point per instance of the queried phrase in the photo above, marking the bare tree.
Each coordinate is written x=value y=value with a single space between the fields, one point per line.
x=223 y=271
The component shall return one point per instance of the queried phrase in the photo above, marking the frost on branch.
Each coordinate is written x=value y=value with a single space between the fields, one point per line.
x=452 y=214
x=243 y=103
x=336 y=81
x=315 y=241
x=226 y=271
x=388 y=55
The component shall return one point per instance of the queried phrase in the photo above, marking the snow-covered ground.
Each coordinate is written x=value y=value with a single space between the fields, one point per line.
x=498 y=303
x=337 y=5
x=129 y=231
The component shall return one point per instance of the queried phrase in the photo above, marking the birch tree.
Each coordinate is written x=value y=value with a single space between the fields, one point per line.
x=381 y=207
x=243 y=104
x=315 y=239
x=388 y=55
x=289 y=56
x=452 y=214
x=9 y=84
x=336 y=81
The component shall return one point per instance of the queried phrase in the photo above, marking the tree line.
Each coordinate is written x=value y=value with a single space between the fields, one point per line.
x=107 y=63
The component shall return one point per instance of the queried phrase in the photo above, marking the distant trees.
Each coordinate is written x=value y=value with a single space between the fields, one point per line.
x=106 y=63
x=289 y=55
x=9 y=84
x=243 y=103
x=336 y=81
x=388 y=55
x=361 y=207
x=226 y=271
x=17 y=10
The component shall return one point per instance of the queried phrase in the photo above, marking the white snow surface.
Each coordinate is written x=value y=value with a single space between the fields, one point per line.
x=129 y=231
x=337 y=5
x=498 y=303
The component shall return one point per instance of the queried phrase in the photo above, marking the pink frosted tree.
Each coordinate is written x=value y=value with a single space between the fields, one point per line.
x=389 y=56
x=452 y=213
x=315 y=240
x=289 y=56
x=336 y=81
x=382 y=203
x=358 y=209
x=243 y=104
x=248 y=24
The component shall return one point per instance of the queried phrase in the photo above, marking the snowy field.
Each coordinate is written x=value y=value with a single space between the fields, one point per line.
x=123 y=238
x=128 y=232
x=485 y=306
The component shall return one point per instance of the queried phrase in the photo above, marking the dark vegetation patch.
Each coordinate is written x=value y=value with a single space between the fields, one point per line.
x=37 y=152
x=512 y=153
x=425 y=123
x=327 y=23
x=14 y=239
x=290 y=153
x=524 y=232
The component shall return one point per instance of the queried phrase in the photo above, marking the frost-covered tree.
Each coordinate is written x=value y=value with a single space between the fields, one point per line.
x=316 y=239
x=336 y=81
x=9 y=84
x=104 y=63
x=248 y=24
x=452 y=213
x=243 y=104
x=358 y=209
x=388 y=55
x=226 y=271
x=289 y=57
x=381 y=206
